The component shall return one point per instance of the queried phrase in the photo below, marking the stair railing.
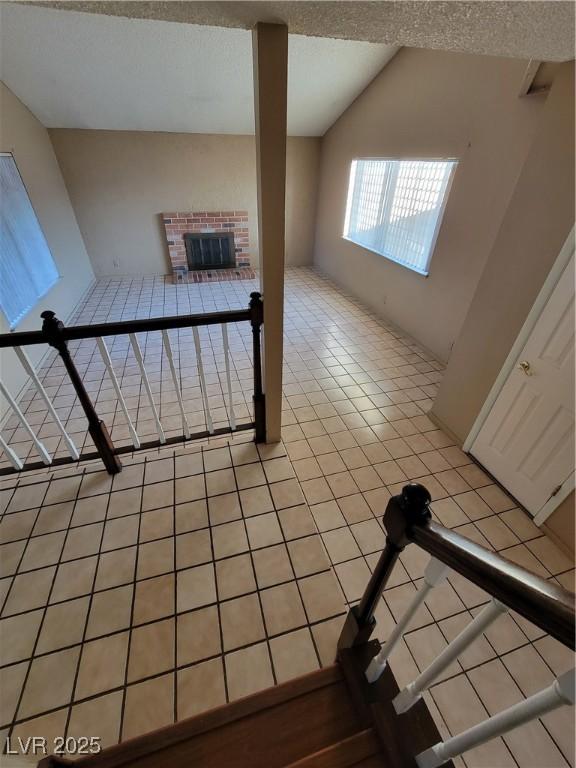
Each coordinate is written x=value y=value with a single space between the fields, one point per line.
x=57 y=335
x=407 y=520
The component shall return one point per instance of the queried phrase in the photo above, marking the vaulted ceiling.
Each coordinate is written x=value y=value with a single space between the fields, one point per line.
x=187 y=66
x=80 y=70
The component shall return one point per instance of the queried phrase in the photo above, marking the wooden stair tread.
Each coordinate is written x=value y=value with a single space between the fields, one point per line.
x=269 y=729
x=401 y=737
x=361 y=750
x=330 y=718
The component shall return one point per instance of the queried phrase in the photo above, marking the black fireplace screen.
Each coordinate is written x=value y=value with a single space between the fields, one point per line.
x=210 y=250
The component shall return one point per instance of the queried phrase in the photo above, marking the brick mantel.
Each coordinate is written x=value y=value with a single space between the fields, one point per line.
x=178 y=224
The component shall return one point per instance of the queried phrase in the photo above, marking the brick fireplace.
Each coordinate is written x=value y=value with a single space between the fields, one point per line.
x=231 y=225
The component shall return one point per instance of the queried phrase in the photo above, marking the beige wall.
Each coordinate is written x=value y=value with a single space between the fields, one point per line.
x=537 y=222
x=27 y=139
x=120 y=181
x=429 y=104
x=560 y=525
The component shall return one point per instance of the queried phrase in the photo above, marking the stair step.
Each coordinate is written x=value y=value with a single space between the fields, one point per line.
x=361 y=750
x=18 y=761
x=269 y=729
x=401 y=737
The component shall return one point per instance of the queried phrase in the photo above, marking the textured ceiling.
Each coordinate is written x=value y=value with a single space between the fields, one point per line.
x=77 y=70
x=538 y=30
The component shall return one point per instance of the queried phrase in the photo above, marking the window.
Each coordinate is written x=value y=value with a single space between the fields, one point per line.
x=395 y=207
x=27 y=269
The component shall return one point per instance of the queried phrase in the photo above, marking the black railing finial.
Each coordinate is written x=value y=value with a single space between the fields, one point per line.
x=411 y=507
x=257 y=306
x=416 y=499
x=407 y=509
x=52 y=329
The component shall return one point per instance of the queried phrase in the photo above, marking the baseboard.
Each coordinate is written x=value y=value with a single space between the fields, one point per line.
x=376 y=314
x=559 y=541
x=440 y=424
x=81 y=299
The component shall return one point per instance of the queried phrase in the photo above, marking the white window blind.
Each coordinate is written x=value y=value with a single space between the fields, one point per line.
x=395 y=207
x=27 y=269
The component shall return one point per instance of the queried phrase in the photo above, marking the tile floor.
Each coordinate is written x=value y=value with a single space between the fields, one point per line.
x=202 y=573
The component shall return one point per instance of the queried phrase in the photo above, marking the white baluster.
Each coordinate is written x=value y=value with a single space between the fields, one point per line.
x=168 y=349
x=410 y=695
x=228 y=379
x=109 y=367
x=13 y=457
x=434 y=574
x=200 y=366
x=140 y=361
x=44 y=455
x=560 y=693
x=29 y=368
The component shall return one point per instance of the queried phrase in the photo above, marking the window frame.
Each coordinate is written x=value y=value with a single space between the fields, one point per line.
x=422 y=272
x=13 y=325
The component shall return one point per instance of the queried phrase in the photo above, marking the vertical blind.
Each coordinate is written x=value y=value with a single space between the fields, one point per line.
x=395 y=207
x=27 y=269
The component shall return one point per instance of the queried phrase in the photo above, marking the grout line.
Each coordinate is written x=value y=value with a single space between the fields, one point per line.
x=261 y=607
x=130 y=627
x=89 y=609
x=175 y=561
x=335 y=386
x=45 y=607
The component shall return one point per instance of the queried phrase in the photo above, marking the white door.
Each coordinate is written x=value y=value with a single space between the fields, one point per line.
x=527 y=439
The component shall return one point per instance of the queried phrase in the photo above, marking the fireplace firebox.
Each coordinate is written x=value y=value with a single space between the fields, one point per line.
x=210 y=250
x=226 y=257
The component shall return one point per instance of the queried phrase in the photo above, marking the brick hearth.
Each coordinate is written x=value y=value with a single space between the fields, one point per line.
x=178 y=224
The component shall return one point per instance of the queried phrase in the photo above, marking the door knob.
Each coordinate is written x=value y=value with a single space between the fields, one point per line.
x=524 y=365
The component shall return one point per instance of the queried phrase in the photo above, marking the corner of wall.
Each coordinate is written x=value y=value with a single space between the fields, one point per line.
x=537 y=221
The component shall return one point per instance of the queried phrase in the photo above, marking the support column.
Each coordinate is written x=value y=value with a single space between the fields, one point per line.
x=270 y=55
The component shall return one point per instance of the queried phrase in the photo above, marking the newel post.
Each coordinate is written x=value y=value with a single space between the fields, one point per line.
x=52 y=328
x=409 y=508
x=257 y=318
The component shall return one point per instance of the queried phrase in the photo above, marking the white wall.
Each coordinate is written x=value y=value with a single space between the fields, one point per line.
x=28 y=141
x=429 y=104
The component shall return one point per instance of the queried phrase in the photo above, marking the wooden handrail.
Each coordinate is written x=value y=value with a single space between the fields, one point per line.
x=547 y=605
x=57 y=335
x=75 y=332
x=408 y=519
